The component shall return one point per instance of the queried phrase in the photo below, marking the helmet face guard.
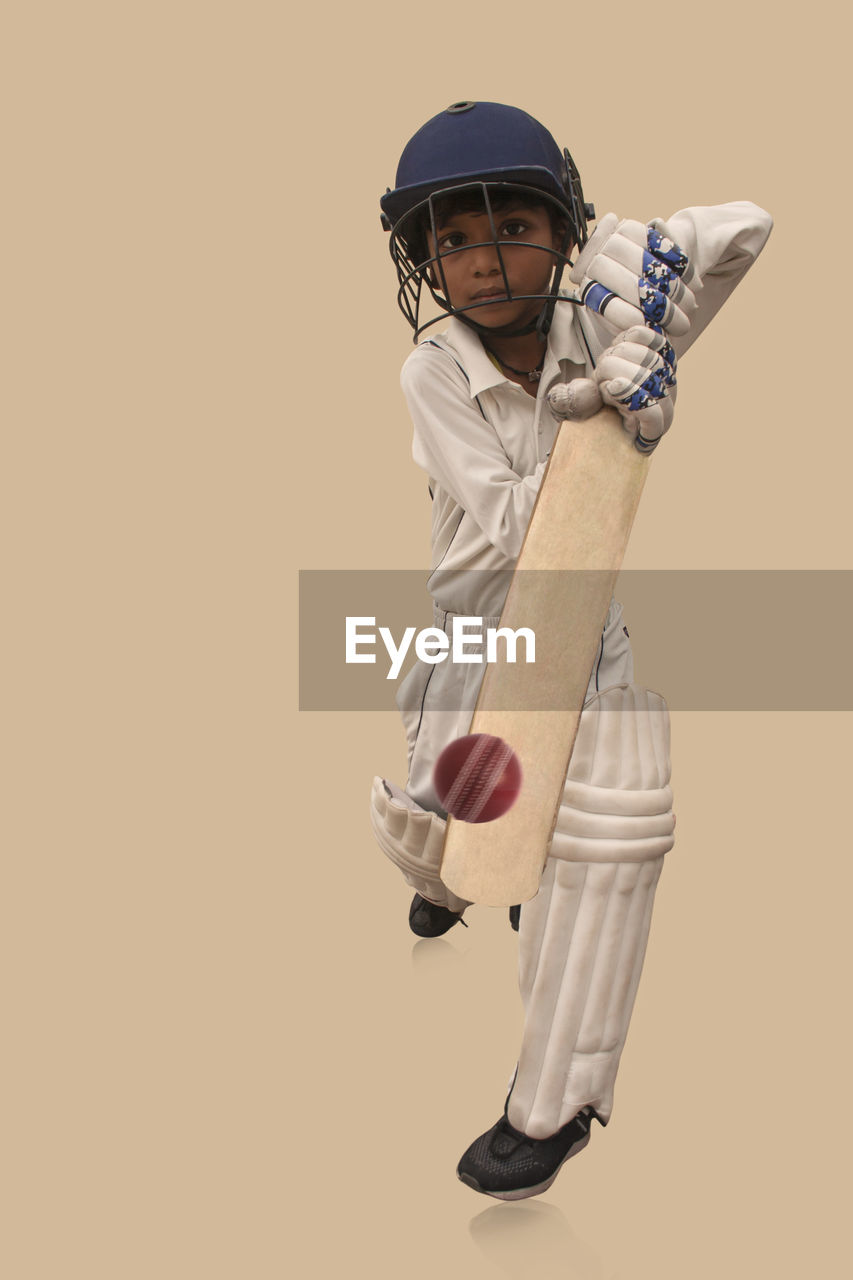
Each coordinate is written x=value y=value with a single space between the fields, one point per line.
x=476 y=153
x=418 y=267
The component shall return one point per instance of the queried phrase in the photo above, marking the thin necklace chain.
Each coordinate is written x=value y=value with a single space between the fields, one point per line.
x=532 y=375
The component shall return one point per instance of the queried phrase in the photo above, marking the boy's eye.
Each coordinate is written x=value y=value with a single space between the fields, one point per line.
x=515 y=227
x=452 y=240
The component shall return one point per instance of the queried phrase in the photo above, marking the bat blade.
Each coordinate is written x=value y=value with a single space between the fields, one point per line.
x=580 y=527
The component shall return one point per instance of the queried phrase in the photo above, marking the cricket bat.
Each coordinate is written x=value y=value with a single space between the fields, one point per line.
x=580 y=526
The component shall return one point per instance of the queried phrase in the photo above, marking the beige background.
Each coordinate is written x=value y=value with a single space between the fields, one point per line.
x=222 y=1054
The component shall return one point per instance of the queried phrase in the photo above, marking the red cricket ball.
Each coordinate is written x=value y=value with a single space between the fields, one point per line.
x=477 y=778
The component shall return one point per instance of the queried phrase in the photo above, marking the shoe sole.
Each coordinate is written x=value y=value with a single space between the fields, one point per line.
x=434 y=933
x=522 y=1193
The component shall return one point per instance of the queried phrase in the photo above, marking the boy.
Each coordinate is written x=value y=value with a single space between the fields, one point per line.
x=484 y=218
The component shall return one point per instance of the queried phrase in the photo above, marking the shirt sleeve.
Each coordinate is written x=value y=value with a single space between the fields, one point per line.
x=722 y=242
x=462 y=452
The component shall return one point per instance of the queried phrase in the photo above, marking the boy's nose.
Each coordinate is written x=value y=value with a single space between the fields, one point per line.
x=486 y=260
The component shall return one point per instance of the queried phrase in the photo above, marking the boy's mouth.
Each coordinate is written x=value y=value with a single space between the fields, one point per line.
x=483 y=295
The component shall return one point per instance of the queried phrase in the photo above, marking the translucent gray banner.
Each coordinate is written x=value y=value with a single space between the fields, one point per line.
x=708 y=640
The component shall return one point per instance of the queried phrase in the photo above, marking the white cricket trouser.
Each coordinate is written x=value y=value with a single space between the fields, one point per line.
x=583 y=937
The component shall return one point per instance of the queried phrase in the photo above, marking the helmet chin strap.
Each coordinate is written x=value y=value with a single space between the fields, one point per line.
x=505 y=330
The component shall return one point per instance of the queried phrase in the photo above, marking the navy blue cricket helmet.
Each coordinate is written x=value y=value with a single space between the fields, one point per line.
x=479 y=149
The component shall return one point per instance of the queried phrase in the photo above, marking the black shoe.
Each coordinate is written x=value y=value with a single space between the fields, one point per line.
x=515 y=916
x=508 y=1165
x=428 y=920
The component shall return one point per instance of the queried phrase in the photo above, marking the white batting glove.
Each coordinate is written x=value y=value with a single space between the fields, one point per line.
x=636 y=376
x=632 y=274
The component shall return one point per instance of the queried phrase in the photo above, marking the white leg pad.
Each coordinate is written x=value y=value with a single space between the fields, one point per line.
x=413 y=838
x=583 y=937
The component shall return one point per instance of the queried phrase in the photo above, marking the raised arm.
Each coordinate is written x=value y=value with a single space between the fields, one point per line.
x=720 y=243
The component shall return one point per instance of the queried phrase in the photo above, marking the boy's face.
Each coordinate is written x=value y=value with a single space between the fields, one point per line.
x=471 y=264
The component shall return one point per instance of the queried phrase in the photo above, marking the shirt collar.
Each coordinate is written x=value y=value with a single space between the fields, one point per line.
x=482 y=373
x=564 y=343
